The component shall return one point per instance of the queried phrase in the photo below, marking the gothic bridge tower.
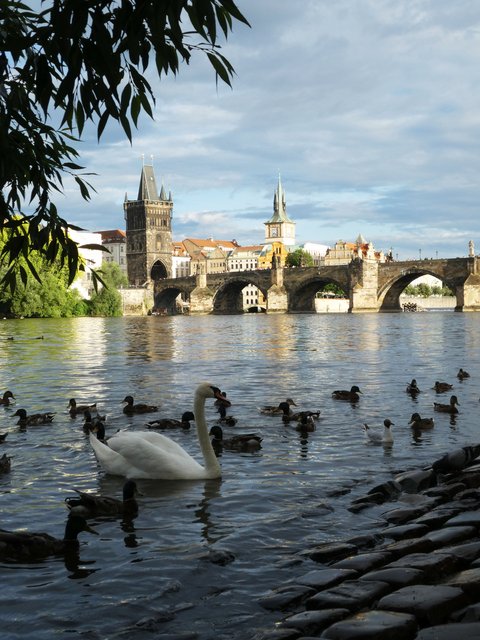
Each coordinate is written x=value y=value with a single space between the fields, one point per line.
x=148 y=224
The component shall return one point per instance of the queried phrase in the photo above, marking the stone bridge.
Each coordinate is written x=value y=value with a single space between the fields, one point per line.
x=370 y=286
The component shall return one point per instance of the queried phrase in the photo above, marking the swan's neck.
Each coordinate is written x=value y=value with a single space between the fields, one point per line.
x=212 y=466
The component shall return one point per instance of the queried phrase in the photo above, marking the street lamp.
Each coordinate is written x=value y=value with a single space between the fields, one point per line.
x=420 y=254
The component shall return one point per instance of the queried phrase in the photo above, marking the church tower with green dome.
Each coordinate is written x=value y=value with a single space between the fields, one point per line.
x=280 y=228
x=148 y=226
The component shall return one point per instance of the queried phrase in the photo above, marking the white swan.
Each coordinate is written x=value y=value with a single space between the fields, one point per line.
x=148 y=454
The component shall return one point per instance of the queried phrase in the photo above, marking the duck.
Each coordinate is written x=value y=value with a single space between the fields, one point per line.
x=462 y=374
x=350 y=396
x=447 y=408
x=171 y=423
x=278 y=410
x=34 y=419
x=23 y=546
x=441 y=387
x=99 y=431
x=91 y=422
x=131 y=408
x=5 y=399
x=376 y=437
x=305 y=423
x=417 y=422
x=74 y=409
x=89 y=505
x=5 y=464
x=151 y=455
x=239 y=442
x=230 y=421
x=412 y=388
x=300 y=415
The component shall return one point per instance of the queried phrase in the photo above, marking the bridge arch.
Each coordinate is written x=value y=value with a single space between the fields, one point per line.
x=301 y=296
x=389 y=293
x=166 y=299
x=228 y=298
x=158 y=271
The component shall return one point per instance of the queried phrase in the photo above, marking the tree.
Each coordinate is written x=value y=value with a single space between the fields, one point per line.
x=108 y=301
x=299 y=258
x=74 y=63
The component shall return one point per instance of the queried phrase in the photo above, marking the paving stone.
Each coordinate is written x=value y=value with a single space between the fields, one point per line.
x=413 y=545
x=279 y=634
x=467 y=631
x=331 y=551
x=449 y=535
x=435 y=565
x=405 y=514
x=468 y=581
x=446 y=491
x=366 y=541
x=465 y=518
x=438 y=517
x=396 y=576
x=405 y=531
x=364 y=561
x=416 y=481
x=314 y=621
x=469 y=614
x=323 y=578
x=285 y=597
x=466 y=553
x=430 y=604
x=374 y=625
x=351 y=594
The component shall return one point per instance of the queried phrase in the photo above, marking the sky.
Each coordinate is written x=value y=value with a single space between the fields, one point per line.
x=369 y=110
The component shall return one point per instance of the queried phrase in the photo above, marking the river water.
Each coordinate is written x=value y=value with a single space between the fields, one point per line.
x=159 y=576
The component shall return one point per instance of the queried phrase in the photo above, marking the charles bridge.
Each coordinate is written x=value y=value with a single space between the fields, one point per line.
x=370 y=286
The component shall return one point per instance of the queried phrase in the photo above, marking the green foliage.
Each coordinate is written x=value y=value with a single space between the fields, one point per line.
x=108 y=301
x=113 y=276
x=299 y=258
x=425 y=291
x=73 y=63
x=333 y=288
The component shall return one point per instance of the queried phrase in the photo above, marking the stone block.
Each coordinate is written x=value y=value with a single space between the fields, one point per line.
x=374 y=625
x=430 y=604
x=352 y=595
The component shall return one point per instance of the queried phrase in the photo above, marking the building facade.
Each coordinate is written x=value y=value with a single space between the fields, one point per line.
x=148 y=223
x=115 y=240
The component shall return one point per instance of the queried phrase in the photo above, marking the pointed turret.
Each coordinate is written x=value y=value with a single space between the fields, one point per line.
x=147 y=189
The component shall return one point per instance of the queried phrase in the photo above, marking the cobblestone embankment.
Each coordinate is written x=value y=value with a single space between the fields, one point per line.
x=417 y=578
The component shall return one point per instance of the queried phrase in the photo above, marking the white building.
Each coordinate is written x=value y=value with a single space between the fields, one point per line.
x=91 y=259
x=115 y=240
x=246 y=259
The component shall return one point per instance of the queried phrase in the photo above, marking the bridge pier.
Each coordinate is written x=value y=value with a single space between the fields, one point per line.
x=277 y=298
x=201 y=298
x=468 y=296
x=363 y=294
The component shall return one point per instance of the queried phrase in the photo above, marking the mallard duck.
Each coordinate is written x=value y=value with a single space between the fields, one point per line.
x=279 y=410
x=385 y=437
x=171 y=423
x=299 y=416
x=305 y=423
x=99 y=431
x=89 y=505
x=441 y=387
x=412 y=388
x=5 y=399
x=74 y=409
x=131 y=408
x=22 y=546
x=461 y=375
x=230 y=421
x=243 y=442
x=91 y=422
x=447 y=408
x=34 y=419
x=417 y=422
x=350 y=396
x=5 y=464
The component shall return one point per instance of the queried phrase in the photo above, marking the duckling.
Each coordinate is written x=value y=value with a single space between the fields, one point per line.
x=350 y=396
x=5 y=465
x=89 y=505
x=412 y=388
x=461 y=375
x=91 y=422
x=417 y=422
x=21 y=546
x=131 y=408
x=171 y=423
x=74 y=409
x=34 y=419
x=244 y=442
x=447 y=408
x=380 y=438
x=230 y=421
x=5 y=399
x=270 y=410
x=441 y=387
